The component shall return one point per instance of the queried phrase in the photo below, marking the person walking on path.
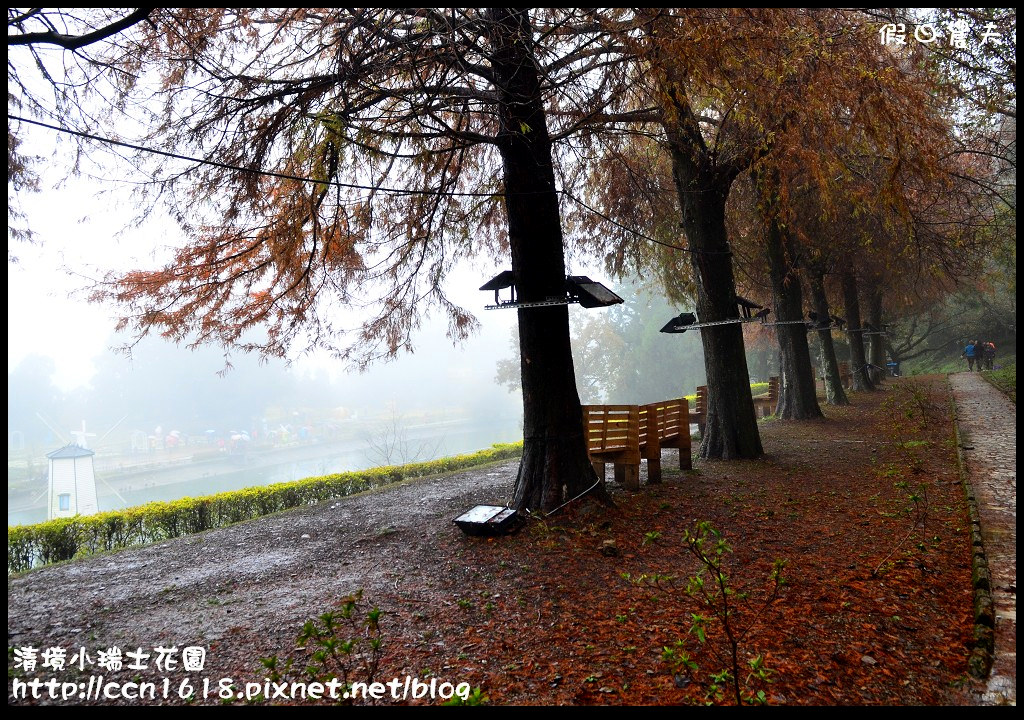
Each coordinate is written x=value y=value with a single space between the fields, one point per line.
x=970 y=352
x=988 y=355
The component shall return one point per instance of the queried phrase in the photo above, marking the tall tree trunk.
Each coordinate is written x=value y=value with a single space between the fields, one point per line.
x=555 y=466
x=876 y=344
x=855 y=328
x=730 y=430
x=783 y=374
x=834 y=392
x=798 y=397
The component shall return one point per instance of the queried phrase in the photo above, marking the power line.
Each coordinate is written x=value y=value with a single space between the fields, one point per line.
x=238 y=168
x=350 y=186
x=639 y=234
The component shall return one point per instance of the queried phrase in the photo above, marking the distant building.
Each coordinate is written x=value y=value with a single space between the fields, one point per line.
x=72 y=483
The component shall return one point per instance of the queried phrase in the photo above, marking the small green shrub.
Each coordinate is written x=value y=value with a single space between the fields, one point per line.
x=346 y=645
x=723 y=624
x=722 y=603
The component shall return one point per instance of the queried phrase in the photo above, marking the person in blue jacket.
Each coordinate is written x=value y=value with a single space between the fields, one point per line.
x=971 y=353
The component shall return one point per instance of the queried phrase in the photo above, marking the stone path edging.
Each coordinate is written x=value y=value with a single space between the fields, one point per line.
x=985 y=422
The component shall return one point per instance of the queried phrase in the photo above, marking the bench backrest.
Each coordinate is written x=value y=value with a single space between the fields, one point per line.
x=844 y=373
x=666 y=420
x=612 y=429
x=700 y=406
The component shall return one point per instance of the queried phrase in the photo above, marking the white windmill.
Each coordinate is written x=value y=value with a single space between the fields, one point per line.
x=72 y=478
x=82 y=437
x=72 y=483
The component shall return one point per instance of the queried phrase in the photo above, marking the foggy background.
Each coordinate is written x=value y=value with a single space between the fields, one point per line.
x=167 y=422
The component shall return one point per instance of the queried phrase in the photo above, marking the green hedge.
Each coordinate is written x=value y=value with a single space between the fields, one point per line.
x=66 y=538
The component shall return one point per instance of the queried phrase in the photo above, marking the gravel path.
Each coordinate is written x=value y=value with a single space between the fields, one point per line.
x=988 y=430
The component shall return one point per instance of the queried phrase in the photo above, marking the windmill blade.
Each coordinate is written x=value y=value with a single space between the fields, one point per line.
x=38 y=497
x=111 y=488
x=54 y=430
x=112 y=428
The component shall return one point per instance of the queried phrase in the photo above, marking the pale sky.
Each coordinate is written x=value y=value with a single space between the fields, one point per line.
x=74 y=236
x=80 y=234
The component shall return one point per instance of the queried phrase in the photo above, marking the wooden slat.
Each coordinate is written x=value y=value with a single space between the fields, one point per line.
x=702 y=400
x=650 y=430
x=672 y=421
x=673 y=413
x=612 y=430
x=624 y=434
x=845 y=377
x=675 y=423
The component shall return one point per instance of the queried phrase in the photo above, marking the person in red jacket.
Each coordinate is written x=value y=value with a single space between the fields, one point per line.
x=988 y=355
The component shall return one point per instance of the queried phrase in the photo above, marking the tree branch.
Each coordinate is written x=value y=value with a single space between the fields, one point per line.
x=74 y=42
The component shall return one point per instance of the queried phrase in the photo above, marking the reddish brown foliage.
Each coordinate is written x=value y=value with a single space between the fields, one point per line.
x=544 y=617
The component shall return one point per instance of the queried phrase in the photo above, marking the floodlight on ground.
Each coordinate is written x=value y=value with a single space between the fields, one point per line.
x=488 y=520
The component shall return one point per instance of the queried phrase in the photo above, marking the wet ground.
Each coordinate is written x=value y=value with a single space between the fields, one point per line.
x=243 y=591
x=247 y=588
x=988 y=432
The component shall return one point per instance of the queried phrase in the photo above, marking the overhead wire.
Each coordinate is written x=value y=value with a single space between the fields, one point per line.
x=349 y=186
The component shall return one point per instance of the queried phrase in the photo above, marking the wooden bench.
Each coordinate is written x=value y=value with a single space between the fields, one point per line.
x=613 y=435
x=665 y=425
x=700 y=408
x=765 y=404
x=625 y=434
x=845 y=376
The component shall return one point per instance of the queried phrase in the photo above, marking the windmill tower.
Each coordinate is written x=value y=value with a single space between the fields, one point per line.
x=72 y=483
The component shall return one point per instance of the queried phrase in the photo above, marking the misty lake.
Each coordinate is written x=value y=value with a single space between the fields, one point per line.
x=417 y=443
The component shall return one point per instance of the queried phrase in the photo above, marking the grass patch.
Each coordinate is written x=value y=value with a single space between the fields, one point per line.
x=1005 y=379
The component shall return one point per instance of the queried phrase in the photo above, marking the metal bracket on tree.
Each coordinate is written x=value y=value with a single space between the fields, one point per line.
x=868 y=331
x=578 y=289
x=688 y=321
x=796 y=322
